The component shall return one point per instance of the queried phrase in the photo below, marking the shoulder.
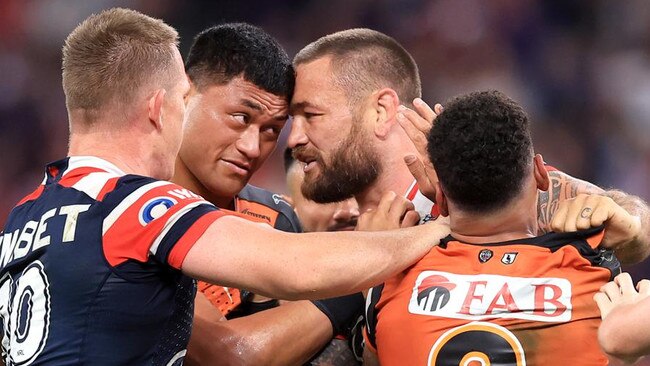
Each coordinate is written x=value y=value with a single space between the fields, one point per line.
x=265 y=206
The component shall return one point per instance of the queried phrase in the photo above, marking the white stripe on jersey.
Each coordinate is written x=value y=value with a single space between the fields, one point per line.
x=93 y=183
x=92 y=161
x=369 y=326
x=128 y=202
x=423 y=205
x=172 y=220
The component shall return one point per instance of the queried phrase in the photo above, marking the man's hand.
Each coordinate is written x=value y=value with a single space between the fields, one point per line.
x=592 y=210
x=624 y=333
x=620 y=292
x=417 y=125
x=392 y=212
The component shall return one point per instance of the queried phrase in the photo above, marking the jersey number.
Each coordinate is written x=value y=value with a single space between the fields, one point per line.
x=477 y=343
x=25 y=313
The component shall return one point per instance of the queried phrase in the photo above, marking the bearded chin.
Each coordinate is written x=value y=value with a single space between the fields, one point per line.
x=353 y=168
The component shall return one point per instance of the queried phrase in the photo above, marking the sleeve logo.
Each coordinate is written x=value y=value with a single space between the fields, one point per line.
x=155 y=208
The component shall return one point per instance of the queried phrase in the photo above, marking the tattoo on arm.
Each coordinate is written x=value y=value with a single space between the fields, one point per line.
x=561 y=187
x=336 y=353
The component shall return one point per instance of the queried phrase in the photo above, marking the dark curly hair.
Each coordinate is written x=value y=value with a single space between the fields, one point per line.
x=481 y=148
x=225 y=51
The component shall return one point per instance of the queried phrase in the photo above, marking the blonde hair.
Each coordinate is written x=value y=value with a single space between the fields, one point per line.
x=111 y=56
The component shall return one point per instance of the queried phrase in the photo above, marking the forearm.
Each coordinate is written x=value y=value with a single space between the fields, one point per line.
x=561 y=187
x=304 y=266
x=287 y=335
x=637 y=250
x=625 y=332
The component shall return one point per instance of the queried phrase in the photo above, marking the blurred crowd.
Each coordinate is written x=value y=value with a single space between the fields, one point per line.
x=581 y=68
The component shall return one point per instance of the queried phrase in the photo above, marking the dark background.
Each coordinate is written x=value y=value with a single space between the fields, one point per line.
x=580 y=68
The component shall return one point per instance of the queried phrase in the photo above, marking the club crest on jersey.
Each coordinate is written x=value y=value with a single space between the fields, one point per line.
x=483 y=296
x=485 y=255
x=155 y=208
x=509 y=258
x=278 y=198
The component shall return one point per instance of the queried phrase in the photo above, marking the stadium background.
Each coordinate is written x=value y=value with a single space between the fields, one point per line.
x=580 y=68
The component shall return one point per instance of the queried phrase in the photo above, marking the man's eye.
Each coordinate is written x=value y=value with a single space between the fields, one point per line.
x=310 y=115
x=242 y=118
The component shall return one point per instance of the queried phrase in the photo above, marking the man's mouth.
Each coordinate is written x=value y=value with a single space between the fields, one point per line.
x=238 y=166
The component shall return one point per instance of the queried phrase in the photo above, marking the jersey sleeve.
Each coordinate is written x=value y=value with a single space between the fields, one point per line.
x=147 y=218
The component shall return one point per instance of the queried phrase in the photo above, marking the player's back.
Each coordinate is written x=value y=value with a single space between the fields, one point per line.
x=81 y=281
x=521 y=302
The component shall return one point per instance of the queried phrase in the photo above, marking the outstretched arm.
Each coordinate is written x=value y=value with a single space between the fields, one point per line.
x=234 y=252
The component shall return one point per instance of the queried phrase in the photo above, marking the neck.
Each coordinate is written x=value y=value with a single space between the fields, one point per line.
x=395 y=177
x=183 y=177
x=515 y=221
x=120 y=149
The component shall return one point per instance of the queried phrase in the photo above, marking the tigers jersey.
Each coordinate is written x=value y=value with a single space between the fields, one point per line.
x=90 y=268
x=259 y=205
x=522 y=302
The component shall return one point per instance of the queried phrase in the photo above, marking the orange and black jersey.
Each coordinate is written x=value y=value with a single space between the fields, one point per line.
x=259 y=205
x=519 y=302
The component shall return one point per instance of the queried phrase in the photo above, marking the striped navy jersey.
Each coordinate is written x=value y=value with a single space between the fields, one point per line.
x=90 y=268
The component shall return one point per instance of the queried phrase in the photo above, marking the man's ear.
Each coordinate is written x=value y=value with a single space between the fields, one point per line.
x=386 y=103
x=441 y=200
x=155 y=107
x=541 y=174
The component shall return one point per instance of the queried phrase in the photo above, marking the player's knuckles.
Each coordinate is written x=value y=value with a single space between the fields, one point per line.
x=643 y=286
x=623 y=279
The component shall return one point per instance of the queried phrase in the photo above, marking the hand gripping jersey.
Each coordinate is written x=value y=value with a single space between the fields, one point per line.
x=522 y=302
x=90 y=268
x=259 y=205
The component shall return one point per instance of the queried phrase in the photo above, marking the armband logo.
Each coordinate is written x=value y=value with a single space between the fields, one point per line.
x=155 y=208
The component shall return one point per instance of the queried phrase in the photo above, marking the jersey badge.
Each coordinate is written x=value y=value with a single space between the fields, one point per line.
x=155 y=208
x=509 y=258
x=485 y=255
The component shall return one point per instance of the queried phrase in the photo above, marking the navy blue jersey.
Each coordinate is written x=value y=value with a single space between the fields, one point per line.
x=90 y=268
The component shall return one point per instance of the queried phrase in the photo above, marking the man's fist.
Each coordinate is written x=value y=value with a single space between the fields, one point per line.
x=592 y=210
